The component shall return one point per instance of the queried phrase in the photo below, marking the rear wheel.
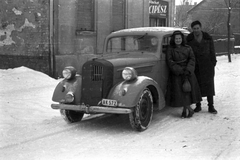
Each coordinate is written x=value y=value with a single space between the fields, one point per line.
x=71 y=116
x=141 y=117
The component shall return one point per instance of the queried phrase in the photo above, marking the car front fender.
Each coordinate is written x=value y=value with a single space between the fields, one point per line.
x=65 y=86
x=128 y=93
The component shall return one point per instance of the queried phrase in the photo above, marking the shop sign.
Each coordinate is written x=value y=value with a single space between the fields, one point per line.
x=158 y=8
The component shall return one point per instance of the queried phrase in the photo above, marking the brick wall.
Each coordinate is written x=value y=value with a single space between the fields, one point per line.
x=24 y=34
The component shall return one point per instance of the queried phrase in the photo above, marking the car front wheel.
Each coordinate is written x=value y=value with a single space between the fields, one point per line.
x=141 y=117
x=71 y=116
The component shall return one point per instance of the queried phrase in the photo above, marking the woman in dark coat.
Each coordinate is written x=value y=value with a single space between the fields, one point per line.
x=203 y=48
x=181 y=61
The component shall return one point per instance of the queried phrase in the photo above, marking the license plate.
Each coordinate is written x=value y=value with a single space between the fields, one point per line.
x=109 y=102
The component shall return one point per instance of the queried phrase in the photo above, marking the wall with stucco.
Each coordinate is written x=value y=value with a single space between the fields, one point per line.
x=24 y=34
x=43 y=35
x=72 y=47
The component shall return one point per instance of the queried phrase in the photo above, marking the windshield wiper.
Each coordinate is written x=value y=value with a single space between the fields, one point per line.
x=141 y=37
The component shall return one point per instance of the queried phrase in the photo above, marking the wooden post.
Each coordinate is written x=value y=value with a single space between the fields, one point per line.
x=51 y=47
x=229 y=30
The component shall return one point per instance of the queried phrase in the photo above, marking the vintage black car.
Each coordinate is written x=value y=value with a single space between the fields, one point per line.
x=130 y=77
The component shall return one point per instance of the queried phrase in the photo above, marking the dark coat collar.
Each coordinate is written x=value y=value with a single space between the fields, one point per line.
x=206 y=36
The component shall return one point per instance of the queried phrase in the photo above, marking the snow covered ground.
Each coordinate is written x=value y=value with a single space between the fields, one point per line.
x=31 y=130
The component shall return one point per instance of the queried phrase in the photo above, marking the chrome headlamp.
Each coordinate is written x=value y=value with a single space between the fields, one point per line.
x=69 y=97
x=129 y=73
x=69 y=72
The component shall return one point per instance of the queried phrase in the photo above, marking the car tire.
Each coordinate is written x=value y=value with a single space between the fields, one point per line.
x=141 y=117
x=71 y=116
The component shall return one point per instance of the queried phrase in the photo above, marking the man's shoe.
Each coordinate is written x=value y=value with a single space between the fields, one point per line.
x=212 y=110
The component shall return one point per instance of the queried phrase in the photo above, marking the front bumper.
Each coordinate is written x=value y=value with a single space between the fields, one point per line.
x=92 y=109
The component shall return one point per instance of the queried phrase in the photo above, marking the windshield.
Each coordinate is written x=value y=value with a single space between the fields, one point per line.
x=133 y=43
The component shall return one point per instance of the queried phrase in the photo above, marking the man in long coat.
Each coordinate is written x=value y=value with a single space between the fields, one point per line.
x=203 y=48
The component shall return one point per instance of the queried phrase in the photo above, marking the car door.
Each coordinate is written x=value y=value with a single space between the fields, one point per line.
x=163 y=68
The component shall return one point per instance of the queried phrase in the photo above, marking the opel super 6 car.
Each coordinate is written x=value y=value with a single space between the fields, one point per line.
x=130 y=77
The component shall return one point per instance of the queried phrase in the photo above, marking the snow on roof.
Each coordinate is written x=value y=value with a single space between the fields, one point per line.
x=149 y=29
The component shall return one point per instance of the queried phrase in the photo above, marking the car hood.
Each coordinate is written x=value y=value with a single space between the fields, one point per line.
x=143 y=64
x=121 y=61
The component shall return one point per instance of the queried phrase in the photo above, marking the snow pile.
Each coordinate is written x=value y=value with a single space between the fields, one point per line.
x=25 y=101
x=224 y=40
x=23 y=78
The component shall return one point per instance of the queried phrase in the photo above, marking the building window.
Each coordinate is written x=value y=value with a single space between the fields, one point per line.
x=85 y=15
x=154 y=22
x=118 y=14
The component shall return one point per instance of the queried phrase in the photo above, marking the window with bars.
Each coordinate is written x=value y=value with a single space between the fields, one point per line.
x=85 y=15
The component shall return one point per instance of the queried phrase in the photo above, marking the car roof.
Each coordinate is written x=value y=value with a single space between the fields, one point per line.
x=158 y=31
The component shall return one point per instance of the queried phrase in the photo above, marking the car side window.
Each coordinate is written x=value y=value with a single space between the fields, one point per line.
x=165 y=43
x=133 y=43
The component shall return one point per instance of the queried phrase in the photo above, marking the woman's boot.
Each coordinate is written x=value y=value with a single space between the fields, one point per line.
x=190 y=111
x=184 y=112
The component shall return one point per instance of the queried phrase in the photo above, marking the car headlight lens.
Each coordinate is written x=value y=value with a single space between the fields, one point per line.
x=69 y=98
x=129 y=73
x=69 y=72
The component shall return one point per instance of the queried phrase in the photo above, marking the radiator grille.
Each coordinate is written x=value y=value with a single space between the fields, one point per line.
x=97 y=81
x=97 y=73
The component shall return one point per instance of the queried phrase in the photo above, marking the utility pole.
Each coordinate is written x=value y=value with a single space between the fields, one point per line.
x=229 y=29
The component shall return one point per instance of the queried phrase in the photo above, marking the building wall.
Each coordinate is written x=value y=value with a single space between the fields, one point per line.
x=69 y=44
x=103 y=19
x=75 y=47
x=44 y=34
x=171 y=12
x=137 y=13
x=24 y=34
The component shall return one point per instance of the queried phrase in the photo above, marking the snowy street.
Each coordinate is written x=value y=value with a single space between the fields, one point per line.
x=31 y=130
